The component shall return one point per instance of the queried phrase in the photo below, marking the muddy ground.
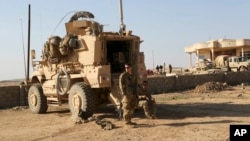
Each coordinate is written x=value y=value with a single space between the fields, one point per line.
x=182 y=116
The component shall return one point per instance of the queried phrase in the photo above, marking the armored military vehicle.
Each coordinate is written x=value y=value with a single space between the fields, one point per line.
x=83 y=67
x=234 y=63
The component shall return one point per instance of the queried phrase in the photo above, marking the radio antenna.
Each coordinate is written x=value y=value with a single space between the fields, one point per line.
x=24 y=59
x=60 y=22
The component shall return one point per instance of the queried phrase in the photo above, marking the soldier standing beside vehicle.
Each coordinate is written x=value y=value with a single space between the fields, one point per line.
x=147 y=102
x=170 y=68
x=128 y=86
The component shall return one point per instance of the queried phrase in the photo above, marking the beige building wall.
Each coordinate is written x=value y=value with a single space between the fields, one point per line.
x=211 y=49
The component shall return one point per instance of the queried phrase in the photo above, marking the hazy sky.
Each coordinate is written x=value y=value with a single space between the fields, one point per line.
x=166 y=26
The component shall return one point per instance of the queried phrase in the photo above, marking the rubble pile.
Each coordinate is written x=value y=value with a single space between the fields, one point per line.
x=210 y=87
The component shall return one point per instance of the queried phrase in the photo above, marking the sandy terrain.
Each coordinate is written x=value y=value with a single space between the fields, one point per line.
x=182 y=116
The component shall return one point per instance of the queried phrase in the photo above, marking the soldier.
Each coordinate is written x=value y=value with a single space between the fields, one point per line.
x=128 y=86
x=147 y=102
x=160 y=69
x=170 y=68
x=157 y=68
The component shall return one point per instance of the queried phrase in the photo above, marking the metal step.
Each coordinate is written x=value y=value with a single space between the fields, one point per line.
x=56 y=101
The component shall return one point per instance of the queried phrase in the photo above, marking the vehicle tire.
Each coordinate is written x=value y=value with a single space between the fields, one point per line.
x=37 y=100
x=243 y=68
x=81 y=100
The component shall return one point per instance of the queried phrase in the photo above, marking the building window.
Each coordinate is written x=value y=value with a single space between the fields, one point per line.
x=246 y=54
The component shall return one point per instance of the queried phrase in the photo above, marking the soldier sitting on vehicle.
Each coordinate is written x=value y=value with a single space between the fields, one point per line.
x=147 y=102
x=51 y=50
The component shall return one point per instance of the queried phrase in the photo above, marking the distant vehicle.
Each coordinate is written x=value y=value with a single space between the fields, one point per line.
x=233 y=63
x=205 y=64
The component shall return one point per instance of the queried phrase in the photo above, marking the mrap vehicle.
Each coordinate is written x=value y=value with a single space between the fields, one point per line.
x=83 y=67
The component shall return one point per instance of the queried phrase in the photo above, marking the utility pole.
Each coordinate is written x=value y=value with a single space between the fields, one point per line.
x=164 y=66
x=153 y=59
x=28 y=54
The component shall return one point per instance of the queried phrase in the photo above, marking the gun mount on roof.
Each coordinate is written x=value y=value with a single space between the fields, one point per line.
x=81 y=14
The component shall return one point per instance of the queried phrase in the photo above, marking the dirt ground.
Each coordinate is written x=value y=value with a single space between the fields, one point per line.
x=182 y=116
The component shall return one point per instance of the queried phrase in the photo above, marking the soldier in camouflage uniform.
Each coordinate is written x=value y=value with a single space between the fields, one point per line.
x=128 y=86
x=147 y=102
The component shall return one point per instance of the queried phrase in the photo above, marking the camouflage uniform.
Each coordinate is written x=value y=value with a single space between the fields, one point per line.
x=128 y=86
x=147 y=103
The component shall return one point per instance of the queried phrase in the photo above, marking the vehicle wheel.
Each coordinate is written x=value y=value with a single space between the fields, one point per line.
x=243 y=68
x=36 y=99
x=81 y=100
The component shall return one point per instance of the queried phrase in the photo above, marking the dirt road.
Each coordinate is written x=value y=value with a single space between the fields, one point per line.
x=184 y=116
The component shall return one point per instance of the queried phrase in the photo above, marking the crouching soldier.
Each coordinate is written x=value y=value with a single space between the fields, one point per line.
x=147 y=102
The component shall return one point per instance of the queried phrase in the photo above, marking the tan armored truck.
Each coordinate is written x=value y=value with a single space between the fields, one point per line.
x=233 y=63
x=83 y=67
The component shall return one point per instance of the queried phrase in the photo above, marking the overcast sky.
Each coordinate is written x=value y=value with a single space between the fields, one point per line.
x=166 y=26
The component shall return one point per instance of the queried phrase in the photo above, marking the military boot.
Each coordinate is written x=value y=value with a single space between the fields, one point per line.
x=154 y=117
x=148 y=115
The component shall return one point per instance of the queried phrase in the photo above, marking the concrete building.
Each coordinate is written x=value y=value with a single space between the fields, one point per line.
x=211 y=49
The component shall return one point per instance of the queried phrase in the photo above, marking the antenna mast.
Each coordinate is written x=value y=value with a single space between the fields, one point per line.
x=122 y=25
